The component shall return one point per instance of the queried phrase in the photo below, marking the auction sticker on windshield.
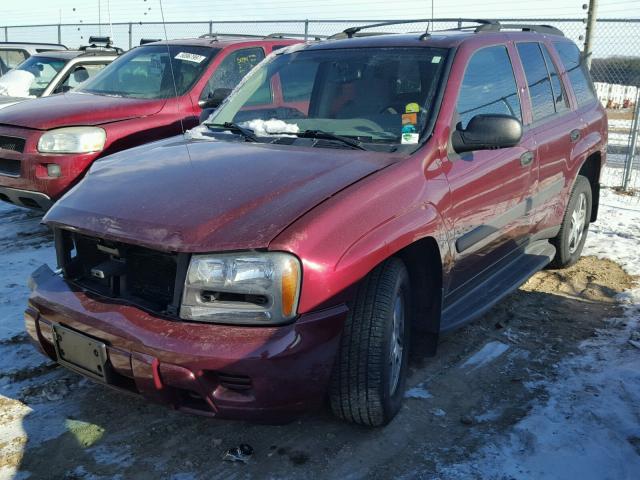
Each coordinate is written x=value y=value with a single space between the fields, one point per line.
x=190 y=57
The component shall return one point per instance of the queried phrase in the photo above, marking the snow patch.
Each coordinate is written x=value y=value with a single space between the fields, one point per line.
x=418 y=392
x=16 y=83
x=265 y=128
x=486 y=354
x=198 y=133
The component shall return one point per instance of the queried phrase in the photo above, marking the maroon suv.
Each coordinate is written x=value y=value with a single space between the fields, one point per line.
x=48 y=144
x=346 y=194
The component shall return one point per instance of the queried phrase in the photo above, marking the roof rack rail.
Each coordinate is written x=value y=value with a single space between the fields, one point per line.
x=525 y=27
x=352 y=31
x=481 y=25
x=496 y=26
x=43 y=44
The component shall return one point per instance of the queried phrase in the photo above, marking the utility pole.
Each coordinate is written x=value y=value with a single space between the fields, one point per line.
x=591 y=29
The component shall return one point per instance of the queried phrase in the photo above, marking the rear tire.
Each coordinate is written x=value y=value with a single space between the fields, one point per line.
x=575 y=225
x=368 y=379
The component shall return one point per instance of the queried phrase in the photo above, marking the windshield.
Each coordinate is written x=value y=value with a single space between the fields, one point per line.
x=31 y=77
x=144 y=72
x=372 y=95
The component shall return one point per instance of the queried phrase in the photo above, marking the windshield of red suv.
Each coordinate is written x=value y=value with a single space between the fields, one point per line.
x=144 y=72
x=370 y=95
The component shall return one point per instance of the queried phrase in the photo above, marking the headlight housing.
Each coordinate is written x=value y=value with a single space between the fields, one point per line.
x=72 y=140
x=259 y=288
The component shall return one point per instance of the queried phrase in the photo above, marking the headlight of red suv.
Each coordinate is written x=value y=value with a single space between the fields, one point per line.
x=245 y=288
x=72 y=140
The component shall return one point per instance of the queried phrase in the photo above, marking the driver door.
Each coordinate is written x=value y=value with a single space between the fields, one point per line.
x=490 y=189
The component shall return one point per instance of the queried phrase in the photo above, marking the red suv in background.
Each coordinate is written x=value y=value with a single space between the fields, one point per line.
x=285 y=254
x=47 y=145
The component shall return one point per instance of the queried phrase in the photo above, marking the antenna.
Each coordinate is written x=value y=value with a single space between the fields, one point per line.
x=173 y=77
x=432 y=13
x=109 y=16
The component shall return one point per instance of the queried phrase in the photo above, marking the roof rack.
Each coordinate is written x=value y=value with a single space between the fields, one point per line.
x=144 y=41
x=482 y=25
x=99 y=44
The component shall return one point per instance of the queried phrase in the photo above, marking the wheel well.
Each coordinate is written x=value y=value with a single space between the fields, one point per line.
x=591 y=170
x=423 y=262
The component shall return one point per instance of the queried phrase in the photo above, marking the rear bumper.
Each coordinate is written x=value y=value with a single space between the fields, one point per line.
x=236 y=372
x=25 y=198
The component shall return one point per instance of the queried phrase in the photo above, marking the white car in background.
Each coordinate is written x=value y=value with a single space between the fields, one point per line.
x=51 y=72
x=13 y=54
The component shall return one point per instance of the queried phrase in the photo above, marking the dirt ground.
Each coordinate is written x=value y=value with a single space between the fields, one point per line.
x=485 y=378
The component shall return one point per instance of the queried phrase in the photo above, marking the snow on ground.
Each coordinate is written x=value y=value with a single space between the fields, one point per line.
x=486 y=354
x=590 y=426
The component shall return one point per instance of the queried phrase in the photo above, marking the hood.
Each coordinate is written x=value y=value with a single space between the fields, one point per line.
x=8 y=101
x=225 y=196
x=73 y=108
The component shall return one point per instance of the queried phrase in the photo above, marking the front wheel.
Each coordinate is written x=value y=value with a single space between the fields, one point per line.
x=368 y=379
x=575 y=225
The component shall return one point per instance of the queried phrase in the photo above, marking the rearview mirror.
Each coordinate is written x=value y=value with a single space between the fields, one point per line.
x=487 y=131
x=215 y=99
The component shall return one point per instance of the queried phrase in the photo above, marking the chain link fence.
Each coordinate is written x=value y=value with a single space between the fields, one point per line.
x=615 y=61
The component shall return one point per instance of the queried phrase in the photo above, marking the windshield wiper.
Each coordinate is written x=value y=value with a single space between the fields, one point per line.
x=247 y=133
x=321 y=134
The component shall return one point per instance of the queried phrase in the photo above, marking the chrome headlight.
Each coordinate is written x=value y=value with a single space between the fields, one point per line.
x=72 y=140
x=246 y=288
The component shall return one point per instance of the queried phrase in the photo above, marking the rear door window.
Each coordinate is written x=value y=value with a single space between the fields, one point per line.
x=577 y=71
x=232 y=69
x=488 y=86
x=11 y=58
x=538 y=80
x=559 y=95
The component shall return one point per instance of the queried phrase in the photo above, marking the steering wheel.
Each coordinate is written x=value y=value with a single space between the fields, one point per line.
x=389 y=109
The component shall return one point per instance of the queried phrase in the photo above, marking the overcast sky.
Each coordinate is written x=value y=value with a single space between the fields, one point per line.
x=13 y=12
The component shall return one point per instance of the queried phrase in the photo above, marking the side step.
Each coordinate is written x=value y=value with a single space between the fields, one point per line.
x=505 y=279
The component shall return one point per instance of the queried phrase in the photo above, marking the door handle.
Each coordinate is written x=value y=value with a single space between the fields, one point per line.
x=575 y=135
x=526 y=158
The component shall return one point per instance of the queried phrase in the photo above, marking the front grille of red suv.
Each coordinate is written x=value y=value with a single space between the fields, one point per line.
x=149 y=279
x=14 y=144
x=9 y=167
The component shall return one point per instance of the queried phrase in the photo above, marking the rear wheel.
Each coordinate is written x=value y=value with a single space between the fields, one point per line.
x=575 y=225
x=368 y=380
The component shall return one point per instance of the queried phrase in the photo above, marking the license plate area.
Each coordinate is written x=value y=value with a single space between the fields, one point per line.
x=81 y=353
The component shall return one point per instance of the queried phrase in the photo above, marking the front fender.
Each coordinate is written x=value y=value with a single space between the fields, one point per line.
x=343 y=239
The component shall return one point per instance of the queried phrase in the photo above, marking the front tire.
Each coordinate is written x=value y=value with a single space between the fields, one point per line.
x=368 y=379
x=573 y=232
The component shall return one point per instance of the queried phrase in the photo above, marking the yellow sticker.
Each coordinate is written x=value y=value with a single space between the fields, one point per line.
x=412 y=108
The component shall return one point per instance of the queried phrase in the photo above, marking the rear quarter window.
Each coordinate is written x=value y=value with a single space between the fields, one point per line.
x=577 y=72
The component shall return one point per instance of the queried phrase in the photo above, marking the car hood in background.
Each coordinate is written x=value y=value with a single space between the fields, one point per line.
x=8 y=101
x=73 y=108
x=217 y=196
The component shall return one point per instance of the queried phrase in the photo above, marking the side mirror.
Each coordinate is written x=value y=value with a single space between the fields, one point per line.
x=215 y=99
x=487 y=131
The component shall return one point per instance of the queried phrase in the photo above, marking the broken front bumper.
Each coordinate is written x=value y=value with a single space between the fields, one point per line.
x=260 y=373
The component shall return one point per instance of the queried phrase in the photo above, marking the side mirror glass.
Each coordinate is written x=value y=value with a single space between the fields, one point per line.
x=215 y=99
x=487 y=131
